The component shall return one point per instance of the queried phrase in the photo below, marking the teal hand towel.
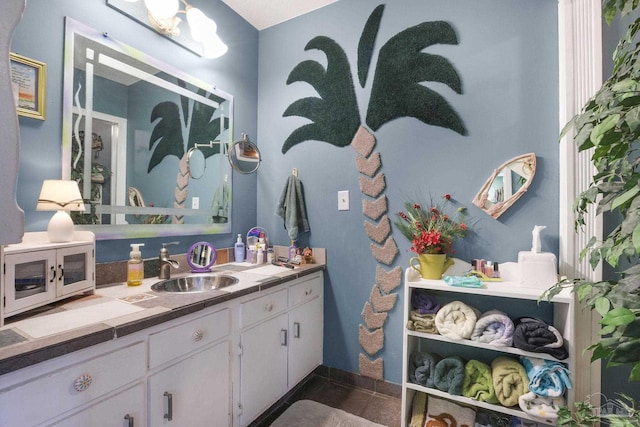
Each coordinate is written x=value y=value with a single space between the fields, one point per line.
x=292 y=209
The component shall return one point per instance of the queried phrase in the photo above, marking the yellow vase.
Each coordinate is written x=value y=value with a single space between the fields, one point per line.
x=431 y=266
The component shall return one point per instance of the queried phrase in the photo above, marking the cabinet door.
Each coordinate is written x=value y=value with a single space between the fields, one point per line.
x=75 y=269
x=263 y=367
x=193 y=392
x=122 y=410
x=29 y=280
x=305 y=345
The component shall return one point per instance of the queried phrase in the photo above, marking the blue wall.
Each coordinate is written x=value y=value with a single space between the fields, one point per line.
x=40 y=154
x=507 y=59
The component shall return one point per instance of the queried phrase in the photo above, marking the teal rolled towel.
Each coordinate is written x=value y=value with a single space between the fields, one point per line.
x=449 y=375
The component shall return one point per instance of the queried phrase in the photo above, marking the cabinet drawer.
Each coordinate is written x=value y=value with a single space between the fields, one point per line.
x=181 y=339
x=59 y=391
x=305 y=291
x=261 y=308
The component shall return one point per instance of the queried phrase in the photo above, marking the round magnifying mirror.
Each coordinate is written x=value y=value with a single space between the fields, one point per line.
x=244 y=156
x=196 y=163
x=201 y=256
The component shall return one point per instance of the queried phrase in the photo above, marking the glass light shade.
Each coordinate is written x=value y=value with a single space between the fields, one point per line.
x=200 y=25
x=162 y=9
x=214 y=47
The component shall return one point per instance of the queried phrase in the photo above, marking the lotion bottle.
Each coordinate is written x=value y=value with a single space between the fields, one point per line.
x=239 y=249
x=135 y=266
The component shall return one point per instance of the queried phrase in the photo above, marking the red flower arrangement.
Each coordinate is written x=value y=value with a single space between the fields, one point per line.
x=431 y=231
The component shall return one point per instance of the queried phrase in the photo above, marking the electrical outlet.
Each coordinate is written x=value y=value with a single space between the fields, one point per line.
x=343 y=200
x=195 y=203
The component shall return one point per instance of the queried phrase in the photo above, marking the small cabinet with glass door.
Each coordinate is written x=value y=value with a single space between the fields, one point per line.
x=37 y=272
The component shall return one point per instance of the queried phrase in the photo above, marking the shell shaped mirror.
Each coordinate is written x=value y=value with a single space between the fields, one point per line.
x=506 y=185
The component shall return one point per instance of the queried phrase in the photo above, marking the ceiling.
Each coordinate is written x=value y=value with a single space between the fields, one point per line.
x=265 y=13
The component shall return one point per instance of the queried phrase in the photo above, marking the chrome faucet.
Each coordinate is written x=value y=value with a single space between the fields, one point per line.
x=166 y=262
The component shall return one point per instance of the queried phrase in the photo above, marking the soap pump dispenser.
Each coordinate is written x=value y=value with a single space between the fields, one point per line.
x=135 y=266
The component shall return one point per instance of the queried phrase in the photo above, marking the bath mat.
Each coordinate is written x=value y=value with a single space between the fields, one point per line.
x=310 y=413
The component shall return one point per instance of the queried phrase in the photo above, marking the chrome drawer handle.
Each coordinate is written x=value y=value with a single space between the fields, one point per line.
x=308 y=292
x=268 y=307
x=129 y=419
x=82 y=382
x=198 y=335
x=169 y=415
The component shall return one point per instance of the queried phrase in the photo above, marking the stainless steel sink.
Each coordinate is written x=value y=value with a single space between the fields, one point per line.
x=195 y=283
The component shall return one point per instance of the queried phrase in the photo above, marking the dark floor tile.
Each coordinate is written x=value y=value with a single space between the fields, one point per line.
x=383 y=410
x=389 y=389
x=308 y=390
x=351 y=379
x=348 y=399
x=266 y=420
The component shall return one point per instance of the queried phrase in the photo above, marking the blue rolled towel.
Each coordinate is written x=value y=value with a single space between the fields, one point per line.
x=422 y=367
x=546 y=377
x=424 y=302
x=449 y=375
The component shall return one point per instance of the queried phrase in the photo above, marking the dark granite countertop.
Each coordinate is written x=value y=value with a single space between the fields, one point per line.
x=118 y=310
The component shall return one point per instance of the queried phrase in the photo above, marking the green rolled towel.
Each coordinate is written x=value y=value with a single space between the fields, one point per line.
x=510 y=380
x=449 y=375
x=478 y=382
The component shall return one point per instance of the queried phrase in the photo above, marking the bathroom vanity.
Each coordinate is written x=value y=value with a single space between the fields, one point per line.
x=217 y=358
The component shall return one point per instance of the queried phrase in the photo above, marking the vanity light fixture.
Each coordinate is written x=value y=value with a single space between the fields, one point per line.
x=163 y=17
x=61 y=196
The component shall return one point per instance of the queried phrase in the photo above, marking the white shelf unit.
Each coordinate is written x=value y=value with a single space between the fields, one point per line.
x=563 y=313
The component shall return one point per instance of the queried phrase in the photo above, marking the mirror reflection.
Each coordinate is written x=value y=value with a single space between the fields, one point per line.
x=506 y=185
x=145 y=118
x=201 y=256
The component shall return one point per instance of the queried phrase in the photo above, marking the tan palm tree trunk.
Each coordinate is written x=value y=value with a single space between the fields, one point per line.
x=180 y=194
x=384 y=250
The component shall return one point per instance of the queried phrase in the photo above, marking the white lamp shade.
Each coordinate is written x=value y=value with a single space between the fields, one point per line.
x=58 y=194
x=162 y=9
x=200 y=25
x=213 y=47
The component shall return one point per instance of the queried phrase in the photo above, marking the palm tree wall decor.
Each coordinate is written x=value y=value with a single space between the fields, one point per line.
x=334 y=117
x=178 y=128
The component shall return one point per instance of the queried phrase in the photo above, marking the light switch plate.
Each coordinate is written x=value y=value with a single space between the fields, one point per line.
x=195 y=203
x=343 y=200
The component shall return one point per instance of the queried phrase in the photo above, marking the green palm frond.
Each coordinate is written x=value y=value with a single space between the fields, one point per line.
x=367 y=42
x=166 y=134
x=334 y=114
x=203 y=128
x=402 y=67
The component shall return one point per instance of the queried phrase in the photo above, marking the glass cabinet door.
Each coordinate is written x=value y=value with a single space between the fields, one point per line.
x=30 y=279
x=75 y=266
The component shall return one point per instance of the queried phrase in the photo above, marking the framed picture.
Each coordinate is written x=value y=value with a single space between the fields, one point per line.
x=28 y=81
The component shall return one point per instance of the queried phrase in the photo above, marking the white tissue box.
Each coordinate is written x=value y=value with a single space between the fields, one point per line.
x=537 y=270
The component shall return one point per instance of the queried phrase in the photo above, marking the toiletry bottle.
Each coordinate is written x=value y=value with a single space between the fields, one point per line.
x=135 y=266
x=496 y=272
x=239 y=249
x=292 y=250
x=488 y=269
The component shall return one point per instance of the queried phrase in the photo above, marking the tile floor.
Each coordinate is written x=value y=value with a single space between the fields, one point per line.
x=381 y=404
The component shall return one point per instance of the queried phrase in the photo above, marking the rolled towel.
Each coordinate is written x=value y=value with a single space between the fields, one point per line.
x=495 y=328
x=422 y=366
x=456 y=320
x=441 y=412
x=449 y=375
x=546 y=377
x=510 y=380
x=478 y=382
x=424 y=302
x=418 y=410
x=543 y=408
x=537 y=336
x=422 y=322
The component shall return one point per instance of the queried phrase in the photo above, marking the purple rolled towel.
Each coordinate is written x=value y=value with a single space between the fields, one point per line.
x=424 y=302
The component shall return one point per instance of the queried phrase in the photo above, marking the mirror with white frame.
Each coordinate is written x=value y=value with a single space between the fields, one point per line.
x=506 y=185
x=144 y=117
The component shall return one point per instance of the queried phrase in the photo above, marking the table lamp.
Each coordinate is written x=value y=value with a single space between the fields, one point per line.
x=61 y=196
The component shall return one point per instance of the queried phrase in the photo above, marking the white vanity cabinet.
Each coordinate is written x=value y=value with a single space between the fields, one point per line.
x=37 y=272
x=280 y=343
x=515 y=301
x=191 y=390
x=75 y=383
